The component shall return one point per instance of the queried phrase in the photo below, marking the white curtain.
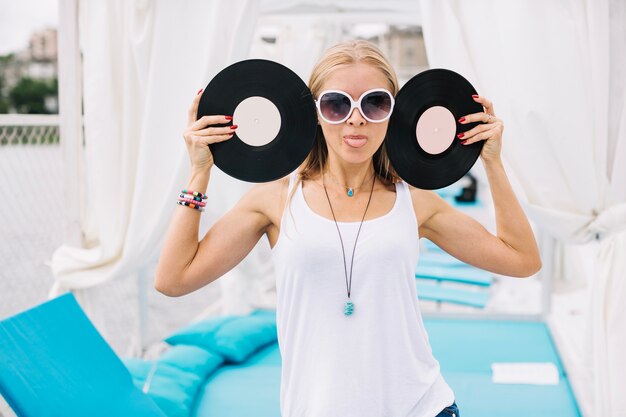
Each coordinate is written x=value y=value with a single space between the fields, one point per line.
x=143 y=62
x=555 y=71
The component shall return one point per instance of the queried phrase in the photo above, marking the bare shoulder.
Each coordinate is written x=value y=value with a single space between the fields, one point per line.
x=268 y=198
x=426 y=203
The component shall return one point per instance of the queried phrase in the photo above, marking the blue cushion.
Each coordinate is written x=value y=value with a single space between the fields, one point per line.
x=53 y=362
x=178 y=374
x=172 y=389
x=195 y=333
x=192 y=359
x=235 y=339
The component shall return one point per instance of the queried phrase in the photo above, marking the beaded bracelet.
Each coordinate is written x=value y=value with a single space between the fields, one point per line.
x=196 y=202
x=195 y=194
x=190 y=205
x=189 y=197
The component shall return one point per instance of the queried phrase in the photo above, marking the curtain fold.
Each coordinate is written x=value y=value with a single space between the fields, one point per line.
x=553 y=72
x=143 y=62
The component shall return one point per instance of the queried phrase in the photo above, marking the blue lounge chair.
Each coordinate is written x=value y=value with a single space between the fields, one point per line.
x=465 y=275
x=440 y=293
x=53 y=362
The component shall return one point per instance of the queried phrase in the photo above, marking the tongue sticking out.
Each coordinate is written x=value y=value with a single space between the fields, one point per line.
x=355 y=142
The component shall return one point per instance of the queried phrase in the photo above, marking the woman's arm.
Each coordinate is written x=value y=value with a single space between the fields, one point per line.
x=186 y=265
x=513 y=251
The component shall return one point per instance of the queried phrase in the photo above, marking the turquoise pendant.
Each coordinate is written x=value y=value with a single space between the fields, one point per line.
x=348 y=309
x=350 y=192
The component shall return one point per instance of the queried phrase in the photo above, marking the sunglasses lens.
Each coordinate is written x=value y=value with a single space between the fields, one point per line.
x=334 y=106
x=376 y=105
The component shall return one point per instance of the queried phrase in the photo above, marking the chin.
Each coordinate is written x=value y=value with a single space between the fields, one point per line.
x=356 y=157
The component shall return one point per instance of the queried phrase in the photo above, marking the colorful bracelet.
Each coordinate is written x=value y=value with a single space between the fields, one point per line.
x=196 y=202
x=190 y=197
x=190 y=205
x=195 y=194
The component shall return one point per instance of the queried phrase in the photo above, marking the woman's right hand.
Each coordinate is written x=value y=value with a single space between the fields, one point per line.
x=199 y=135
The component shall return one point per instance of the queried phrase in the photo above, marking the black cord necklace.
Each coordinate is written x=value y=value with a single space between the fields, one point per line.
x=349 y=306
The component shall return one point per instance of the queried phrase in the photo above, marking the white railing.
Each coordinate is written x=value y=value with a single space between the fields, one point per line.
x=26 y=129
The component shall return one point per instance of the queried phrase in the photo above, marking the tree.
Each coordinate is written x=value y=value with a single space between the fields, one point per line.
x=29 y=95
x=4 y=104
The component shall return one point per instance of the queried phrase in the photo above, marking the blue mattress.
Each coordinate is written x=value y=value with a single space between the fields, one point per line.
x=244 y=390
x=465 y=350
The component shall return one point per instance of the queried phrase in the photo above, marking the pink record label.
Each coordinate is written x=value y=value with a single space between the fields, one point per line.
x=435 y=130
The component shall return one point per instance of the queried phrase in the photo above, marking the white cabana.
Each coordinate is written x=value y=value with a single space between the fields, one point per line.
x=549 y=67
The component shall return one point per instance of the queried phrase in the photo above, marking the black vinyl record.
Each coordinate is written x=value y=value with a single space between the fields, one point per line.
x=276 y=115
x=426 y=112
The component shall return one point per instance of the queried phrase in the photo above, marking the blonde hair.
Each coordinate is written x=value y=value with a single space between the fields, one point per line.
x=344 y=53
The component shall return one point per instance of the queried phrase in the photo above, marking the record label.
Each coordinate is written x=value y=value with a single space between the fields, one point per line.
x=258 y=121
x=435 y=130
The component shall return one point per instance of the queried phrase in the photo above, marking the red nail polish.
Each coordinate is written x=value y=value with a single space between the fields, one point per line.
x=460 y=135
x=228 y=117
x=463 y=142
x=475 y=95
x=234 y=127
x=462 y=119
x=199 y=91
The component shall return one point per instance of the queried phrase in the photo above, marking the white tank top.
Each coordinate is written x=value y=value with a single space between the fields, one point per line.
x=376 y=362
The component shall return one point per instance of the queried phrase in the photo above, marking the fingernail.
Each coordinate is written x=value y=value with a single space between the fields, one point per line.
x=228 y=117
x=234 y=127
x=462 y=119
x=460 y=135
x=475 y=95
x=463 y=142
x=199 y=91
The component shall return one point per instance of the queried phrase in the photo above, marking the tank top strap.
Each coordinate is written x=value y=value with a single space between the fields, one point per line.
x=406 y=202
x=402 y=189
x=292 y=179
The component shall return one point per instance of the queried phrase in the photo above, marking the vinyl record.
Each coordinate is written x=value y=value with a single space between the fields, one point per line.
x=275 y=114
x=421 y=138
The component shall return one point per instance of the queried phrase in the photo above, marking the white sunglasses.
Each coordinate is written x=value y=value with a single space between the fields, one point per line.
x=336 y=106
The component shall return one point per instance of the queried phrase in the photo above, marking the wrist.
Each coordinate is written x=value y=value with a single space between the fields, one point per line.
x=200 y=173
x=199 y=180
x=493 y=163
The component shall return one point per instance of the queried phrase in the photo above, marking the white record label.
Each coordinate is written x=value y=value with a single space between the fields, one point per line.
x=258 y=121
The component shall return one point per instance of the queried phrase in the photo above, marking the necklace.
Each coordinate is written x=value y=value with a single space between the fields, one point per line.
x=349 y=190
x=349 y=306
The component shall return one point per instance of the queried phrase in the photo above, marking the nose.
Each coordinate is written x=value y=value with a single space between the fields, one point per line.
x=356 y=118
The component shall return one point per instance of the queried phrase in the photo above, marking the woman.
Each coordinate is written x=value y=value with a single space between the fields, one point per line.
x=358 y=349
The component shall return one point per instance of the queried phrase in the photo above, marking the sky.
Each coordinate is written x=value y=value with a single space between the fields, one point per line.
x=19 y=18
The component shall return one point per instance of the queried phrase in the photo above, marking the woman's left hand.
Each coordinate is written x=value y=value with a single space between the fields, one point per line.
x=490 y=130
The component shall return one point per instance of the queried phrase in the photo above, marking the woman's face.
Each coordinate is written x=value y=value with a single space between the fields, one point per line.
x=355 y=140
